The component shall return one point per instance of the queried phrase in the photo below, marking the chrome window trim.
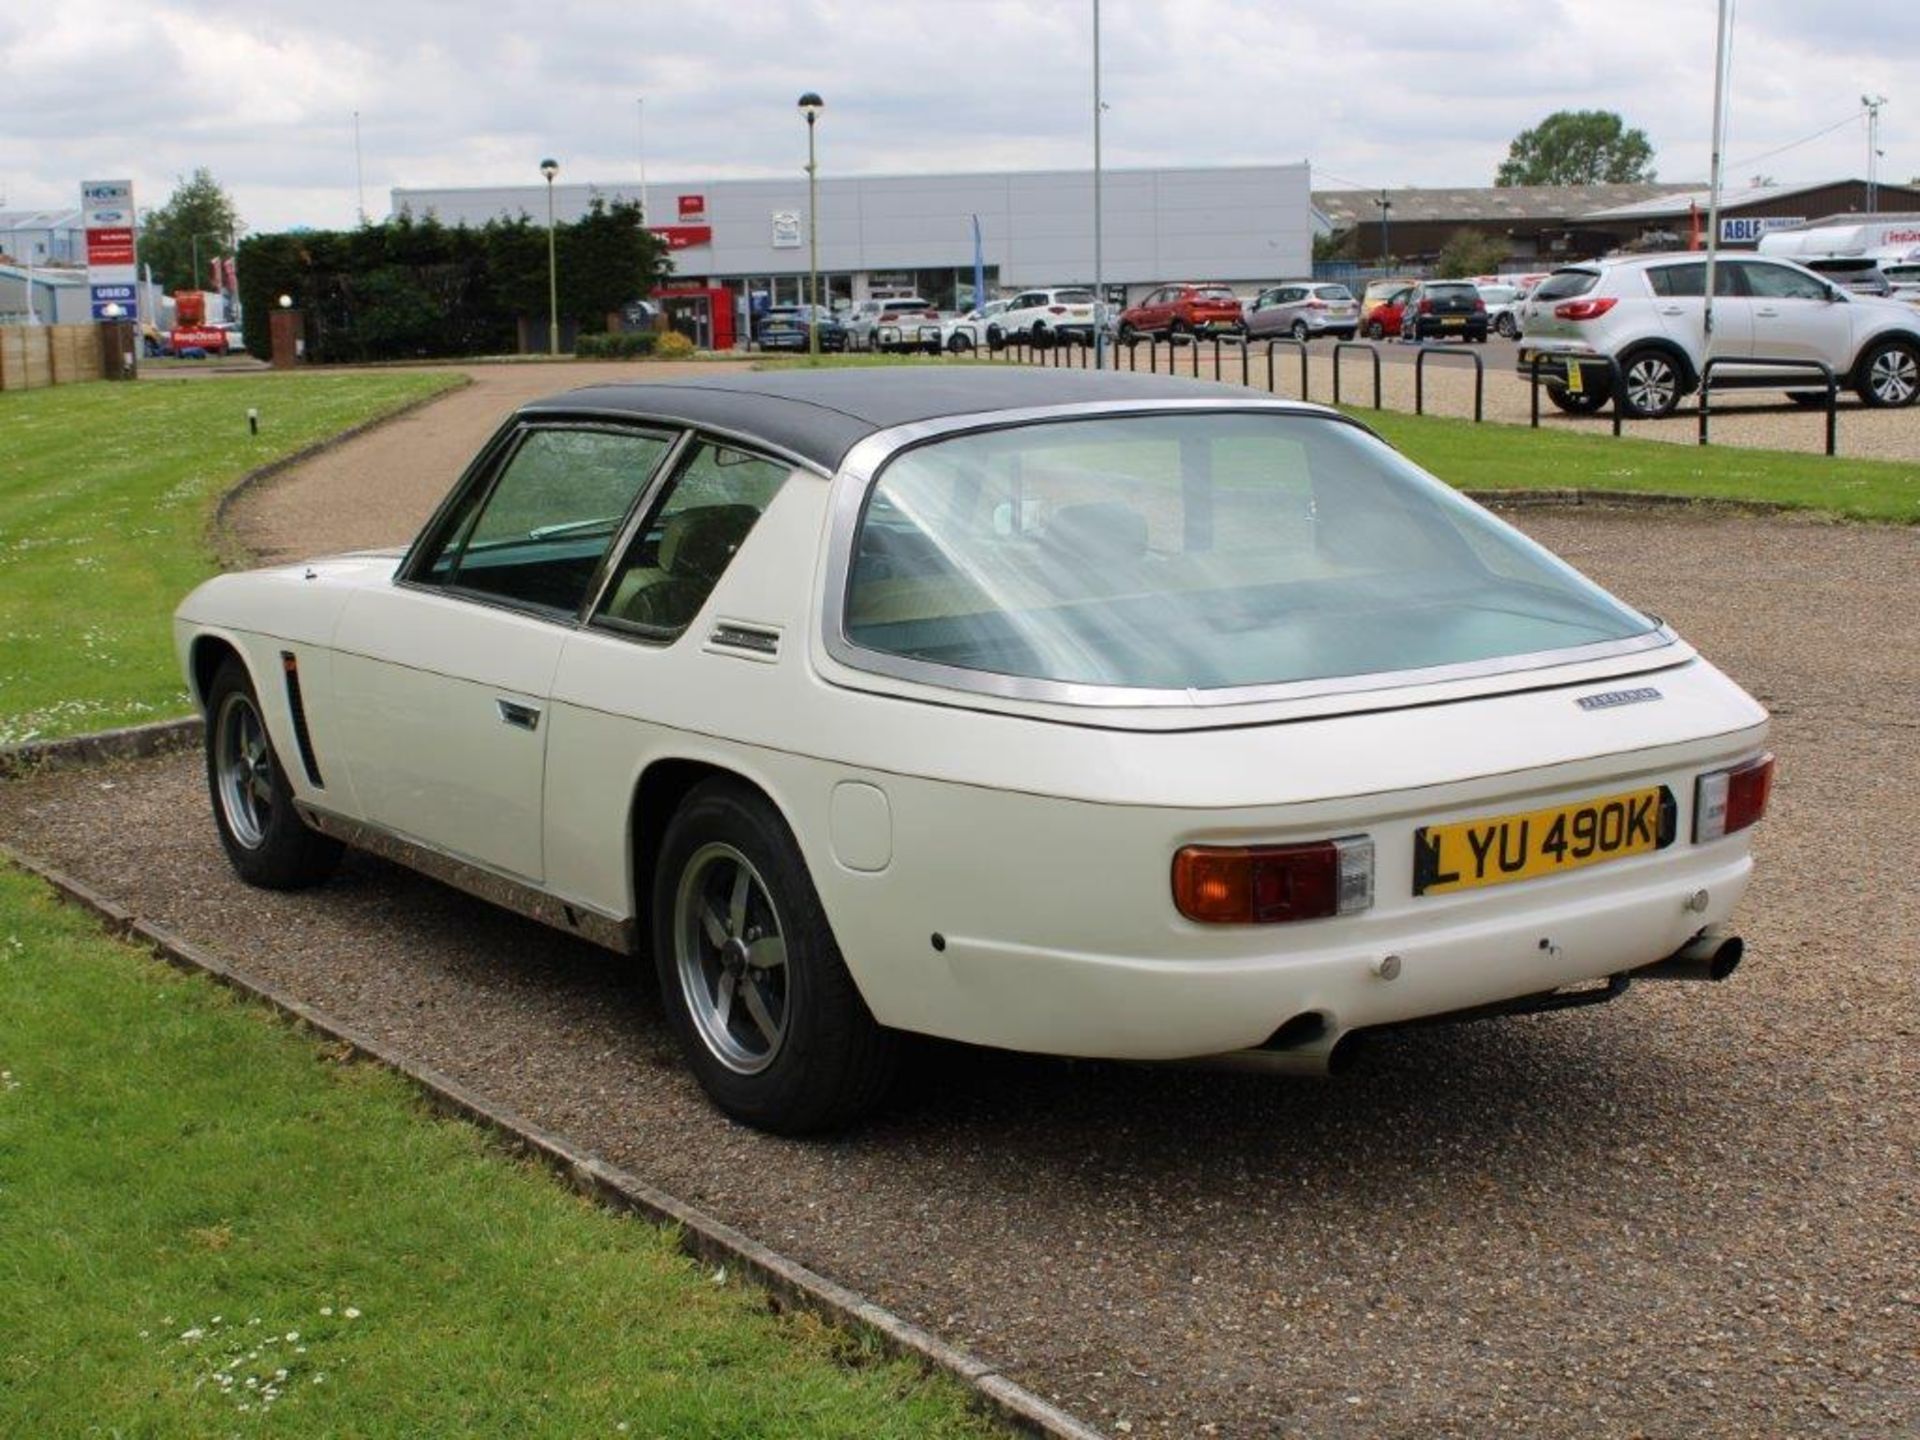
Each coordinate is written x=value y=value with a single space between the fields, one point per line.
x=864 y=462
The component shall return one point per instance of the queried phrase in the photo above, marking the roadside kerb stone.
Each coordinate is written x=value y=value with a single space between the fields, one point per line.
x=700 y=1235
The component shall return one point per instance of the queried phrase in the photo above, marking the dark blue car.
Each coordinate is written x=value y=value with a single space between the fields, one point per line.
x=785 y=328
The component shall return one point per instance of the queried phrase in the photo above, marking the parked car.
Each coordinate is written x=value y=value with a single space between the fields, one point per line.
x=1444 y=309
x=870 y=702
x=1377 y=293
x=1182 y=312
x=1385 y=316
x=1646 y=313
x=1304 y=309
x=974 y=329
x=1503 y=304
x=784 y=327
x=1044 y=316
x=904 y=322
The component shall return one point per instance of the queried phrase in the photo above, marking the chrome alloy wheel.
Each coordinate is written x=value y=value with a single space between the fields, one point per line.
x=244 y=768
x=1652 y=385
x=732 y=958
x=1893 y=377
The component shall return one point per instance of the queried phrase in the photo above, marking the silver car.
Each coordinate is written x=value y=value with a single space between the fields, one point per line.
x=1303 y=309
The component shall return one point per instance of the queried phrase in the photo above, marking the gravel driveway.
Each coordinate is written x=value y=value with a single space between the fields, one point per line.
x=1690 y=1213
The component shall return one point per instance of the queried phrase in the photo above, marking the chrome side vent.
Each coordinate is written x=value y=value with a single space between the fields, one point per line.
x=290 y=666
x=757 y=642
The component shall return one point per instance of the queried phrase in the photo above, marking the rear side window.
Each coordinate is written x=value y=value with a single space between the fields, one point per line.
x=673 y=563
x=1565 y=284
x=537 y=535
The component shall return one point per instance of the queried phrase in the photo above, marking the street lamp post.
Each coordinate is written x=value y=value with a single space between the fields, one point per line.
x=810 y=106
x=551 y=168
x=1385 y=206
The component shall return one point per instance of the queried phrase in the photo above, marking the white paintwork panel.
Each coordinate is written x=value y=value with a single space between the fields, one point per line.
x=417 y=683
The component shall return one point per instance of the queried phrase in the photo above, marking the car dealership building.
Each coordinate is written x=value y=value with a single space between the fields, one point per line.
x=901 y=234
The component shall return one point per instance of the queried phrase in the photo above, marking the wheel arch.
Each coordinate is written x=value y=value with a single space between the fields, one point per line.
x=658 y=793
x=1855 y=372
x=205 y=655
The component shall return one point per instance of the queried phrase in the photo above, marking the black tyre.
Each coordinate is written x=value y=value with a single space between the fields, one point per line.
x=1888 y=375
x=1040 y=336
x=1301 y=332
x=770 y=1021
x=960 y=342
x=1376 y=331
x=1584 y=402
x=1508 y=328
x=1650 y=383
x=1128 y=335
x=1178 y=332
x=266 y=841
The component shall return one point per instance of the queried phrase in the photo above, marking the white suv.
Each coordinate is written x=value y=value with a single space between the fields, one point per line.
x=1045 y=315
x=901 y=322
x=1646 y=312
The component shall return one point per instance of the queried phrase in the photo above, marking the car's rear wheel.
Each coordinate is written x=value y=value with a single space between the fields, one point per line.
x=959 y=342
x=1301 y=332
x=1376 y=331
x=266 y=841
x=1178 y=332
x=770 y=1021
x=1583 y=402
x=1889 y=375
x=1650 y=384
x=1040 y=336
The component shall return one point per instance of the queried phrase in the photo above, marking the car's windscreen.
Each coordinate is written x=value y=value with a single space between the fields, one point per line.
x=1198 y=551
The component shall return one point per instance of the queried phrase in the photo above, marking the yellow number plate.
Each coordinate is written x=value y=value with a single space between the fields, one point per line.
x=1502 y=848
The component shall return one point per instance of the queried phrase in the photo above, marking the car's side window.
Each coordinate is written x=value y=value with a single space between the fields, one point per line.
x=673 y=561
x=1777 y=282
x=1689 y=280
x=538 y=533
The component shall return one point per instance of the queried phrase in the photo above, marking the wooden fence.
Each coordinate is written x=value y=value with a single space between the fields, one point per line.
x=34 y=356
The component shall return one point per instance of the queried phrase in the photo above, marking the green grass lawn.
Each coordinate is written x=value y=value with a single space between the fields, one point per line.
x=105 y=495
x=210 y=1224
x=1511 y=457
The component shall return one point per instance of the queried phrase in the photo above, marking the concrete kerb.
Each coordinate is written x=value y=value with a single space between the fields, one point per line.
x=700 y=1235
x=71 y=752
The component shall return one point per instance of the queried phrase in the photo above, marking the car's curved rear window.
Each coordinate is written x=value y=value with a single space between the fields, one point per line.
x=1565 y=284
x=1196 y=552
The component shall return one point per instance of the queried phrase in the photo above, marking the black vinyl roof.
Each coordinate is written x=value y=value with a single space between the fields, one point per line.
x=819 y=415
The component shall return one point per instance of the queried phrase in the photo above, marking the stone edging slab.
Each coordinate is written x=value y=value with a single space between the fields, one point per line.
x=701 y=1235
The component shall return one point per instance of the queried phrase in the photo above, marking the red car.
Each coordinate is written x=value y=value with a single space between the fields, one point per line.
x=1181 y=312
x=1384 y=320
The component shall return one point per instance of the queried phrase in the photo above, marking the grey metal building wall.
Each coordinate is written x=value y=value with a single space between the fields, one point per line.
x=1243 y=223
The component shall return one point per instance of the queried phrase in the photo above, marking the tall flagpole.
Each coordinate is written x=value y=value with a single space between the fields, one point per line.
x=1713 y=193
x=359 y=174
x=646 y=212
x=1099 y=269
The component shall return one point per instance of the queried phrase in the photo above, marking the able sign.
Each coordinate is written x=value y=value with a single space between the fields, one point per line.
x=1747 y=229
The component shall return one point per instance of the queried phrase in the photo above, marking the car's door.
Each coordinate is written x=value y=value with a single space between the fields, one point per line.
x=649 y=657
x=441 y=679
x=1795 y=315
x=1679 y=301
x=1260 y=320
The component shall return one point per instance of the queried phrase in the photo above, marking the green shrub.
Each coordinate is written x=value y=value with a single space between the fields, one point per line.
x=673 y=346
x=615 y=345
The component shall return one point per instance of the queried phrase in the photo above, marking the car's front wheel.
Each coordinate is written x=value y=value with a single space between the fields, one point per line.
x=771 y=1022
x=1509 y=329
x=266 y=841
x=1889 y=375
x=1650 y=384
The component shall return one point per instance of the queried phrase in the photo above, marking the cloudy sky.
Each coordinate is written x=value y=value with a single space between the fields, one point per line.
x=1373 y=92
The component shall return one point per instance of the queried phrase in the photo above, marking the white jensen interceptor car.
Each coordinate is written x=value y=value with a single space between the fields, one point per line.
x=1080 y=713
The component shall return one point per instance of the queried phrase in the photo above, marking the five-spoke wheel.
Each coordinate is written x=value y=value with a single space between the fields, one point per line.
x=732 y=958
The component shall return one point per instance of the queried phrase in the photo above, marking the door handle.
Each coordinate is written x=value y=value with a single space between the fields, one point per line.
x=1670 y=310
x=1771 y=314
x=521 y=717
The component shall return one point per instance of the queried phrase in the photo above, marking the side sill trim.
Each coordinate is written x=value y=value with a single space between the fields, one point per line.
x=607 y=931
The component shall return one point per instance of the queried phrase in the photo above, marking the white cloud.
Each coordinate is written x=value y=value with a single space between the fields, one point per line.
x=1378 y=91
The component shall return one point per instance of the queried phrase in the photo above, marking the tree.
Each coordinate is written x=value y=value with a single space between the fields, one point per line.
x=1468 y=252
x=1577 y=147
x=198 y=217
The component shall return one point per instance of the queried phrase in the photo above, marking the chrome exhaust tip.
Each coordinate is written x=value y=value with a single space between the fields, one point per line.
x=1711 y=955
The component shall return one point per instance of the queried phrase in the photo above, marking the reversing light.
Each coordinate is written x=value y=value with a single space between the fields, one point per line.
x=1728 y=801
x=1273 y=884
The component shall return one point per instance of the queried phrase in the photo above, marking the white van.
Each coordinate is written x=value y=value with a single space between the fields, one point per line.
x=1880 y=256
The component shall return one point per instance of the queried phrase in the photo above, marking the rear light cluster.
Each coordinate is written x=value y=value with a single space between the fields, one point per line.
x=1273 y=884
x=1426 y=307
x=1584 y=309
x=1727 y=801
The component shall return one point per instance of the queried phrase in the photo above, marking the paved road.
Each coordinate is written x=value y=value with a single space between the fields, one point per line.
x=1694 y=1212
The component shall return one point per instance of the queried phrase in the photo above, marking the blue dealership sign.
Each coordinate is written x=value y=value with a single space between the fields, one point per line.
x=121 y=295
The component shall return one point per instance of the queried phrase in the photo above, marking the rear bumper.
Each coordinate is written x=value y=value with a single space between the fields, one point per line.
x=1595 y=372
x=1149 y=1009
